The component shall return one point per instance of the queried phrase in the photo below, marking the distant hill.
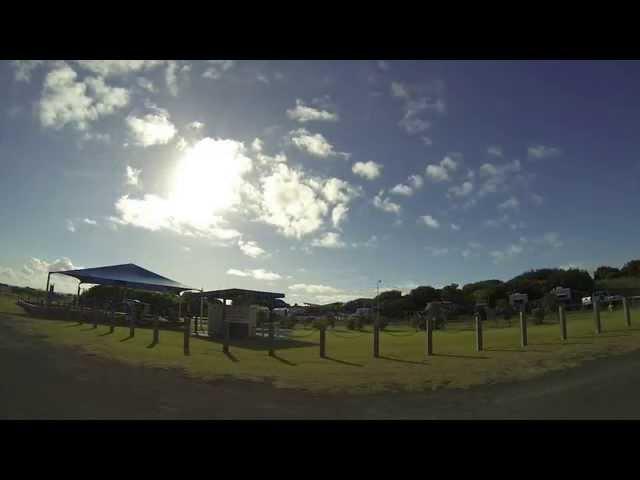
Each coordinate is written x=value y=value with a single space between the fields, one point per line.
x=628 y=286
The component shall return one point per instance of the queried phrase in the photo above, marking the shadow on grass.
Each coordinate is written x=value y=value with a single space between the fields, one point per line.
x=73 y=325
x=126 y=338
x=260 y=344
x=602 y=335
x=343 y=362
x=515 y=350
x=231 y=356
x=401 y=361
x=106 y=333
x=459 y=356
x=152 y=344
x=283 y=360
x=87 y=329
x=559 y=343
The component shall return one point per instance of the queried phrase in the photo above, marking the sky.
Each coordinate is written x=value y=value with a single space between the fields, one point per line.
x=317 y=178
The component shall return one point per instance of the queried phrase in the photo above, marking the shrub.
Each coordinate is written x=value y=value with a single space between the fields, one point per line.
x=538 y=315
x=354 y=323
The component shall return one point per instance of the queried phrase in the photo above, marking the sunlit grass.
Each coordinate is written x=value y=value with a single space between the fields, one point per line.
x=350 y=365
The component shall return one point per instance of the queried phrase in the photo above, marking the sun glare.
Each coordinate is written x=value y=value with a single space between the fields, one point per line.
x=207 y=179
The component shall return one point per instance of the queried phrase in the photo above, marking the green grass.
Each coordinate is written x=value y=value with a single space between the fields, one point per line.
x=351 y=366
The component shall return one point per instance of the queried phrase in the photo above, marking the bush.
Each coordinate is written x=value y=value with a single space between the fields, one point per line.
x=288 y=322
x=538 y=315
x=354 y=323
x=319 y=323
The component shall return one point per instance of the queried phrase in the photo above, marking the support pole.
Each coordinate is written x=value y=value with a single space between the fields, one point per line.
x=112 y=319
x=47 y=289
x=627 y=312
x=156 y=331
x=478 y=333
x=272 y=352
x=78 y=296
x=596 y=315
x=563 y=322
x=376 y=339
x=323 y=340
x=132 y=321
x=429 y=336
x=187 y=335
x=201 y=308
x=523 y=329
x=179 y=307
x=225 y=326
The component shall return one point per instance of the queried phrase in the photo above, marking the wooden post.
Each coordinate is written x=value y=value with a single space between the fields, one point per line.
x=478 y=333
x=596 y=315
x=95 y=319
x=179 y=307
x=112 y=319
x=323 y=340
x=627 y=312
x=132 y=322
x=429 y=336
x=156 y=331
x=47 y=289
x=225 y=326
x=563 y=322
x=376 y=339
x=523 y=329
x=271 y=336
x=187 y=335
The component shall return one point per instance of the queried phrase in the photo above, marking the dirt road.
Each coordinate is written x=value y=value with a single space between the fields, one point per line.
x=40 y=381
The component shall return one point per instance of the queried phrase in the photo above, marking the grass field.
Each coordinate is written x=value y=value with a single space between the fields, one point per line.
x=351 y=366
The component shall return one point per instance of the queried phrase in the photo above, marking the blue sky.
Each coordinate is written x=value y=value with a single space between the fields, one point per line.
x=317 y=178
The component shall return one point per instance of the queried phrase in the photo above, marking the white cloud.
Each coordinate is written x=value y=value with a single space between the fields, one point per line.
x=314 y=144
x=291 y=203
x=70 y=226
x=427 y=141
x=251 y=248
x=463 y=190
x=34 y=274
x=455 y=227
x=24 y=68
x=383 y=203
x=511 y=203
x=415 y=105
x=416 y=181
x=449 y=163
x=336 y=190
x=314 y=289
x=217 y=68
x=152 y=129
x=383 y=65
x=107 y=68
x=552 y=239
x=402 y=189
x=328 y=240
x=399 y=90
x=258 y=274
x=537 y=199
x=89 y=221
x=429 y=221
x=133 y=175
x=540 y=151
x=181 y=144
x=511 y=251
x=437 y=173
x=304 y=113
x=368 y=170
x=495 y=151
x=496 y=222
x=437 y=252
x=257 y=145
x=146 y=84
x=171 y=78
x=496 y=176
x=67 y=101
x=339 y=214
x=195 y=126
x=186 y=249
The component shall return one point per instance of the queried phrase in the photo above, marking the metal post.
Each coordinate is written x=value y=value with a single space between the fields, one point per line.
x=95 y=319
x=156 y=331
x=478 y=333
x=429 y=335
x=201 y=304
x=596 y=315
x=523 y=329
x=179 y=307
x=322 y=341
x=112 y=320
x=132 y=321
x=376 y=340
x=78 y=295
x=225 y=325
x=47 y=290
x=563 y=322
x=187 y=335
x=627 y=312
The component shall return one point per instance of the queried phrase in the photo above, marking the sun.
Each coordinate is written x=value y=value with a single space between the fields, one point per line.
x=207 y=179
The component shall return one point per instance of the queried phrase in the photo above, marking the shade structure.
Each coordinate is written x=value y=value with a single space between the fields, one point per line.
x=231 y=293
x=126 y=275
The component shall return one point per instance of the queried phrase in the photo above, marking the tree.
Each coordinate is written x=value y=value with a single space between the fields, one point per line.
x=573 y=278
x=632 y=268
x=605 y=272
x=451 y=293
x=422 y=295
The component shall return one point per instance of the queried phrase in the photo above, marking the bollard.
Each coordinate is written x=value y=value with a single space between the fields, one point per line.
x=523 y=329
x=429 y=336
x=156 y=332
x=187 y=335
x=478 y=333
x=627 y=313
x=596 y=315
x=271 y=340
x=376 y=340
x=563 y=322
x=323 y=340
